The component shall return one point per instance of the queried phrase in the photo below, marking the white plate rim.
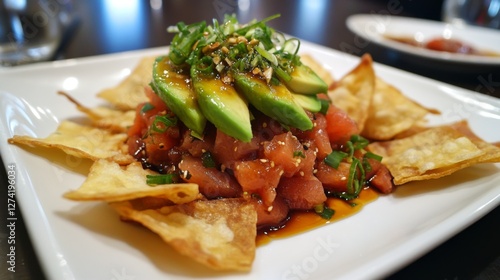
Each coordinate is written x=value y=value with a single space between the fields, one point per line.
x=52 y=255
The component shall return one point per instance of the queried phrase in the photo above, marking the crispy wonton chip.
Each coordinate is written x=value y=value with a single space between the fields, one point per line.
x=130 y=92
x=433 y=153
x=83 y=142
x=322 y=72
x=217 y=233
x=104 y=117
x=392 y=113
x=108 y=181
x=491 y=151
x=353 y=92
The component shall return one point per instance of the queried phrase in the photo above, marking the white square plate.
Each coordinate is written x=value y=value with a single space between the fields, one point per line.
x=87 y=240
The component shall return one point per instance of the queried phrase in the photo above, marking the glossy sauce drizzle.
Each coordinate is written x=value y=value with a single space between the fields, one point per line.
x=301 y=221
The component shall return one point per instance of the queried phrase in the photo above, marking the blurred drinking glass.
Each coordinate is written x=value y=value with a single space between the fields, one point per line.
x=484 y=13
x=31 y=30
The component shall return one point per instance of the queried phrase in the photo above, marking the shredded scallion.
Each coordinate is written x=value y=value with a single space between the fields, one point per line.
x=324 y=211
x=161 y=123
x=160 y=179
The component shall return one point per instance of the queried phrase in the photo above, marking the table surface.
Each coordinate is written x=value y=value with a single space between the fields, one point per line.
x=103 y=27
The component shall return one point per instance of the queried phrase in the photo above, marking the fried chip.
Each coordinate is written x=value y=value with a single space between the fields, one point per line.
x=392 y=113
x=353 y=93
x=108 y=181
x=322 y=72
x=217 y=233
x=82 y=141
x=108 y=118
x=491 y=151
x=433 y=153
x=130 y=92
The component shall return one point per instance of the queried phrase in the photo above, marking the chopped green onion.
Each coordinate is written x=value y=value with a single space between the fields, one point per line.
x=373 y=156
x=350 y=149
x=351 y=180
x=334 y=158
x=282 y=74
x=183 y=41
x=205 y=65
x=359 y=142
x=253 y=26
x=325 y=104
x=267 y=55
x=299 y=154
x=324 y=211
x=147 y=107
x=290 y=47
x=160 y=179
x=161 y=123
x=208 y=160
x=366 y=163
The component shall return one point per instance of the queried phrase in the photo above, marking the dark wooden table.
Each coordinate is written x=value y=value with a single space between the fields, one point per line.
x=103 y=27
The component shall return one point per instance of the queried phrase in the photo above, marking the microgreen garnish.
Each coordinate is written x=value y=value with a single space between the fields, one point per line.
x=224 y=48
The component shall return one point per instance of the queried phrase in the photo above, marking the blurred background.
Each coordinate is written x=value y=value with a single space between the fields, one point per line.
x=121 y=25
x=96 y=27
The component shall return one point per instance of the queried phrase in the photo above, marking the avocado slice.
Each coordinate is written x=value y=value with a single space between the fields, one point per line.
x=223 y=106
x=310 y=103
x=276 y=101
x=175 y=90
x=305 y=81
